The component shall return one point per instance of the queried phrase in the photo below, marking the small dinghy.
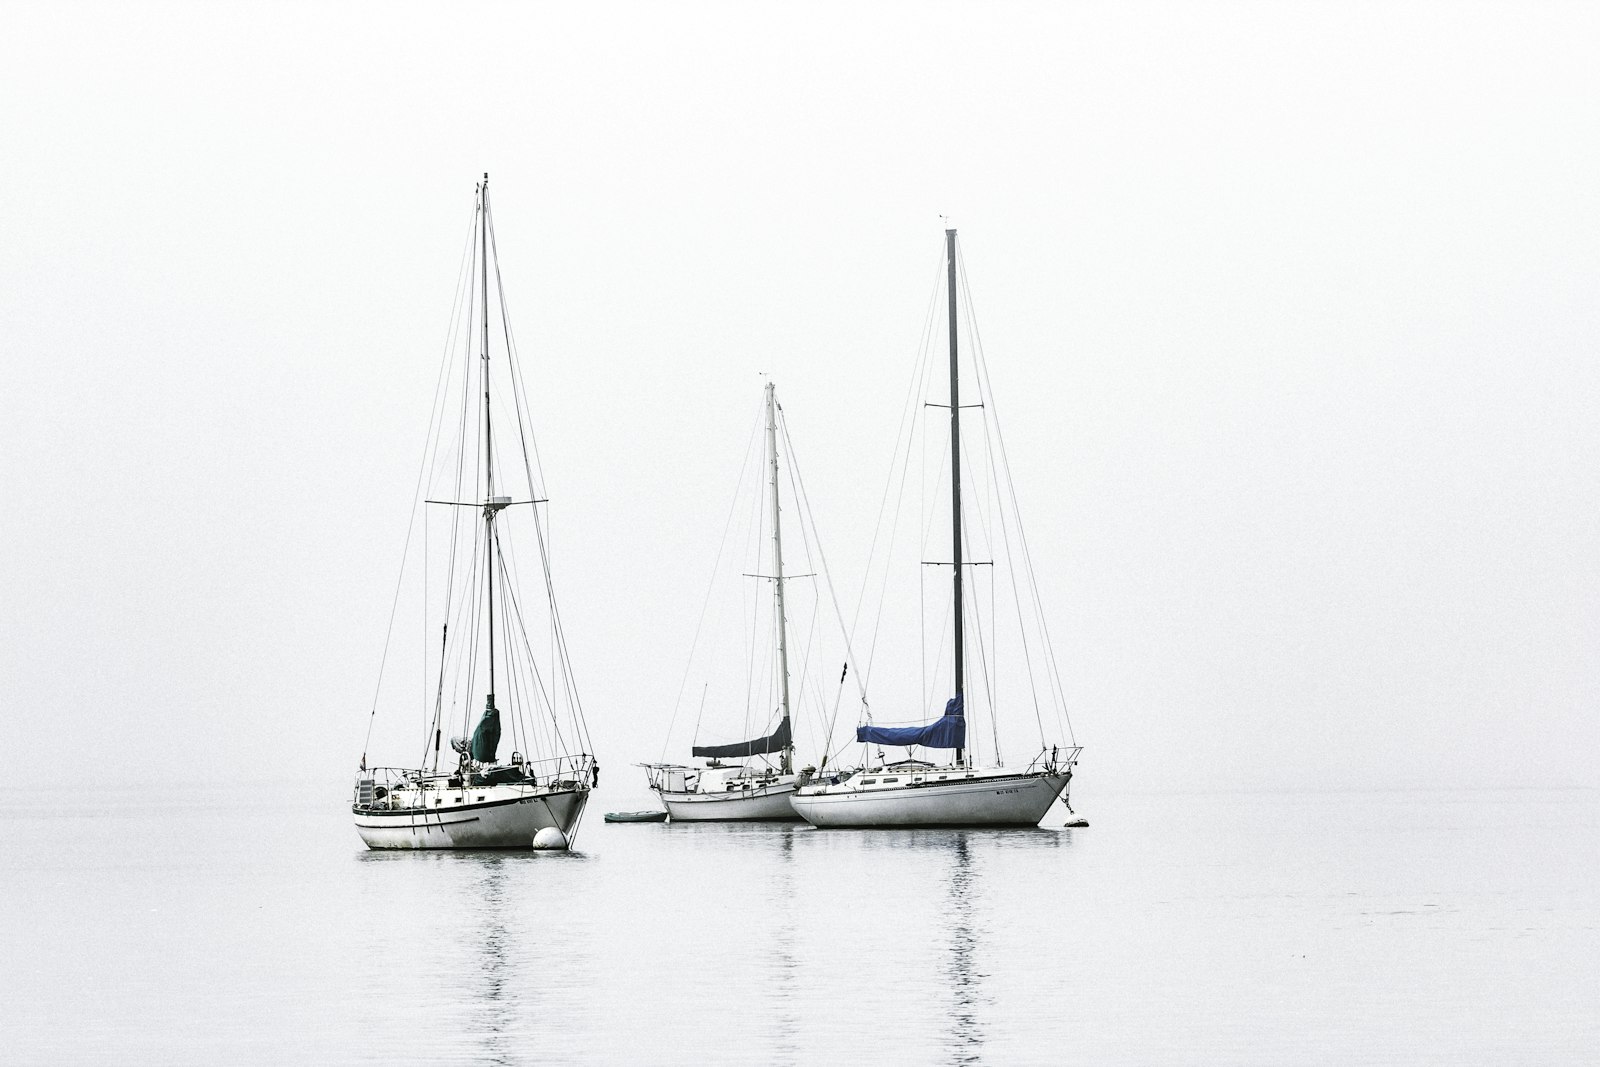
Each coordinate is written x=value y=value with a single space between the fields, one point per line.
x=636 y=816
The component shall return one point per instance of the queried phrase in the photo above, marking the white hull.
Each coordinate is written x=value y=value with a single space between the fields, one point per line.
x=985 y=798
x=508 y=817
x=766 y=802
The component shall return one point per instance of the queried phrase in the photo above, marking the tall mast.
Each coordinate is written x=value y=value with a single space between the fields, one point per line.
x=777 y=572
x=488 y=435
x=955 y=472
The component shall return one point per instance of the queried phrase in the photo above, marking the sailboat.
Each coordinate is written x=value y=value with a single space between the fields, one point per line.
x=721 y=791
x=914 y=792
x=478 y=797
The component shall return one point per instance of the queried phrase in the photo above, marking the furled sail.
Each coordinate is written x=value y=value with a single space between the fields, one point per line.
x=950 y=731
x=776 y=741
x=486 y=737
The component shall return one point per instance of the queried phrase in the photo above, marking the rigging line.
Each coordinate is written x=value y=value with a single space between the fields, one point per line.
x=568 y=675
x=986 y=526
x=525 y=670
x=538 y=694
x=510 y=681
x=1027 y=555
x=992 y=666
x=698 y=715
x=801 y=692
x=1011 y=574
x=705 y=604
x=514 y=362
x=908 y=429
x=808 y=515
x=525 y=680
x=526 y=437
x=462 y=301
x=405 y=550
x=930 y=516
x=752 y=550
x=469 y=415
x=506 y=553
x=1053 y=679
x=929 y=699
x=549 y=690
x=467 y=652
x=560 y=659
x=903 y=434
x=990 y=681
x=423 y=659
x=438 y=695
x=564 y=663
x=511 y=714
x=510 y=594
x=992 y=436
x=519 y=393
x=809 y=540
x=430 y=459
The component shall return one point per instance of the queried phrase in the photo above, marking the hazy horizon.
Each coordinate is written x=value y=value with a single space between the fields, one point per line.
x=1290 y=314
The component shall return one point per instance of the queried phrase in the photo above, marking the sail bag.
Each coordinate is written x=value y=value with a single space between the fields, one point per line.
x=949 y=731
x=486 y=738
x=776 y=741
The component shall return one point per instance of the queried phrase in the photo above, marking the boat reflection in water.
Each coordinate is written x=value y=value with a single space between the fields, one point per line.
x=966 y=981
x=495 y=947
x=781 y=947
x=612 y=957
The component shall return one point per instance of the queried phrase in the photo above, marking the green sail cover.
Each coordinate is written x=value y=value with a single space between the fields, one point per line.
x=486 y=738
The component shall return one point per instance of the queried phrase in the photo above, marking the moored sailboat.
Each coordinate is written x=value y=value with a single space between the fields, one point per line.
x=745 y=791
x=916 y=792
x=483 y=800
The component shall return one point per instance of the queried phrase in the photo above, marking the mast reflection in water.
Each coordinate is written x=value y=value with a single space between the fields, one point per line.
x=490 y=1008
x=964 y=934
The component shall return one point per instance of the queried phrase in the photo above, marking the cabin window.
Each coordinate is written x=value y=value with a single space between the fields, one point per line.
x=888 y=780
x=942 y=777
x=480 y=796
x=869 y=781
x=436 y=803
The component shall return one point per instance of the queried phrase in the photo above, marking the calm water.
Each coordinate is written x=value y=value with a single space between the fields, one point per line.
x=1239 y=929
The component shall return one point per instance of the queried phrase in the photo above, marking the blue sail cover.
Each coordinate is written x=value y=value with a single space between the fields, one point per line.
x=486 y=738
x=950 y=731
x=776 y=741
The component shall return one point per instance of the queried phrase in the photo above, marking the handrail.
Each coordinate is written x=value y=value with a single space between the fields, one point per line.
x=1056 y=756
x=577 y=768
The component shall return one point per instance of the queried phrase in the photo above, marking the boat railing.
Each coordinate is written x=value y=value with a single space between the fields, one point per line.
x=375 y=785
x=578 y=769
x=1056 y=757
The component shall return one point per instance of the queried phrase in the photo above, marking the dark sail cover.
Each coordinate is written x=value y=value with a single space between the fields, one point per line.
x=486 y=738
x=950 y=731
x=777 y=741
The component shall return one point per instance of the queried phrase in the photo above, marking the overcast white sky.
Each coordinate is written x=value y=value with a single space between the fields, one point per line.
x=1291 y=308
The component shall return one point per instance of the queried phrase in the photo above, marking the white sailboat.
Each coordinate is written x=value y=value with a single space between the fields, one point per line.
x=477 y=799
x=914 y=792
x=719 y=791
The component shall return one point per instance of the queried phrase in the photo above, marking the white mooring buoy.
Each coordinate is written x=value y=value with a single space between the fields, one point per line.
x=550 y=840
